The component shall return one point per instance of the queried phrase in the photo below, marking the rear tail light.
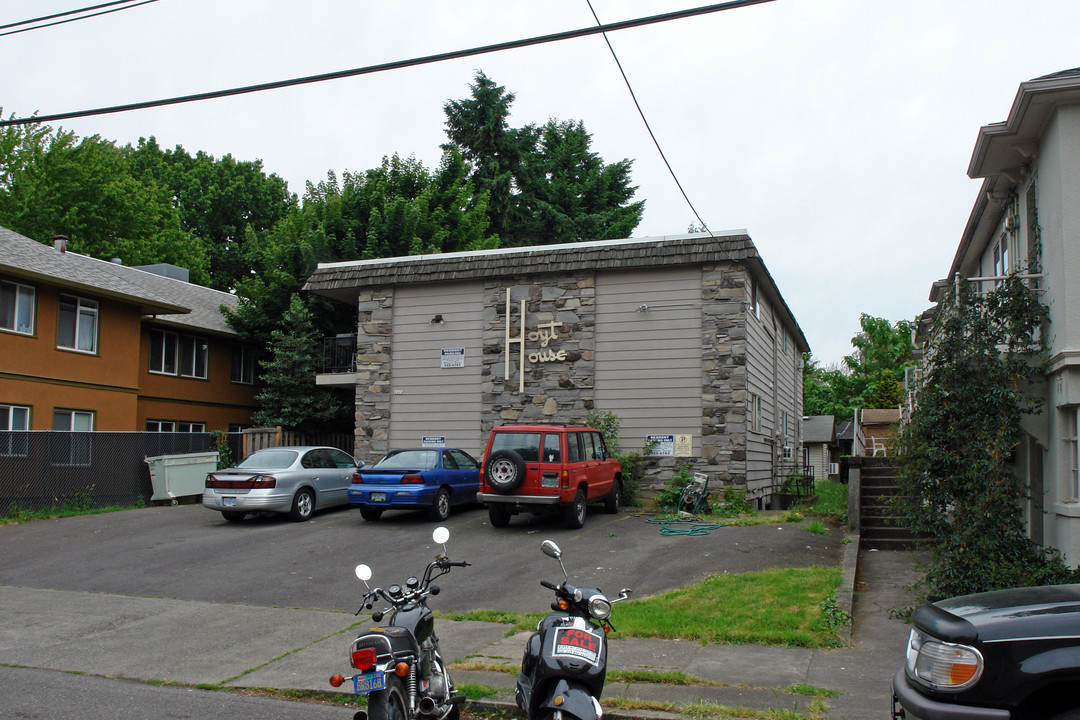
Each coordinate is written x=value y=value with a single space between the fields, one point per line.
x=357 y=478
x=412 y=479
x=363 y=659
x=258 y=482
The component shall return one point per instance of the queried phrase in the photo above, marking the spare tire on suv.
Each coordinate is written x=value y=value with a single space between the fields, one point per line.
x=505 y=471
x=547 y=468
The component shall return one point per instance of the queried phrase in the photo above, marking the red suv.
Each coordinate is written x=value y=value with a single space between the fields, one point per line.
x=539 y=468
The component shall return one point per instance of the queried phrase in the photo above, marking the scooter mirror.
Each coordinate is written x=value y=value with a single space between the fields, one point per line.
x=363 y=572
x=551 y=549
x=441 y=535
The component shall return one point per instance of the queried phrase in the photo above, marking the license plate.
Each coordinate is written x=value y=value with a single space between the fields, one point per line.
x=549 y=481
x=369 y=683
x=228 y=502
x=378 y=497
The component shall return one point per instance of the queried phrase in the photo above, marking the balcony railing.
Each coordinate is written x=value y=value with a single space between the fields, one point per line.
x=339 y=354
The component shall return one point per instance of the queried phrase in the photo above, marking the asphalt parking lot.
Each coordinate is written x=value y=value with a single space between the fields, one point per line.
x=187 y=552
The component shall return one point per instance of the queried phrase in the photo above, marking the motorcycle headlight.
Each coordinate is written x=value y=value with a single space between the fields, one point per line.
x=599 y=607
x=940 y=665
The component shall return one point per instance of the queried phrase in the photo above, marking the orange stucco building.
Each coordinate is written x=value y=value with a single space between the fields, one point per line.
x=87 y=344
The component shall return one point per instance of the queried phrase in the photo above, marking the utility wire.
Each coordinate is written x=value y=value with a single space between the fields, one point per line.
x=71 y=12
x=647 y=127
x=396 y=65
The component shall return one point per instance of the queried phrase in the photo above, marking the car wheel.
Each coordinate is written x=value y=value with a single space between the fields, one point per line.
x=370 y=513
x=505 y=471
x=303 y=505
x=440 y=509
x=611 y=502
x=233 y=515
x=574 y=513
x=498 y=515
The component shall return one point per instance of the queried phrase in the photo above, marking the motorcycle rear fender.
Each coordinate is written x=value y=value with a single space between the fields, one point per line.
x=574 y=699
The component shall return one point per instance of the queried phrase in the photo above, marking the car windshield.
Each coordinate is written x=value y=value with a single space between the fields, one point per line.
x=269 y=460
x=409 y=460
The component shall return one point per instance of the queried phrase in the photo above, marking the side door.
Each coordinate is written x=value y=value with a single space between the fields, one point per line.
x=465 y=478
x=602 y=470
x=577 y=461
x=340 y=469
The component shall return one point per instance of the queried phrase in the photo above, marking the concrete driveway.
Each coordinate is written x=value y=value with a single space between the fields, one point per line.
x=190 y=553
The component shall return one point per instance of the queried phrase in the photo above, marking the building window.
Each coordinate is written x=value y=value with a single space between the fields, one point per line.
x=1002 y=266
x=193 y=351
x=754 y=304
x=16 y=307
x=167 y=348
x=191 y=427
x=73 y=447
x=1072 y=451
x=753 y=412
x=243 y=364
x=14 y=419
x=78 y=324
x=162 y=351
x=160 y=426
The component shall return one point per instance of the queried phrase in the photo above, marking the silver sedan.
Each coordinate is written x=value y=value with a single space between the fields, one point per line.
x=293 y=480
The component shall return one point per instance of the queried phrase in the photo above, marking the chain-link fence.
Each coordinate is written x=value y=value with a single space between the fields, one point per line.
x=41 y=469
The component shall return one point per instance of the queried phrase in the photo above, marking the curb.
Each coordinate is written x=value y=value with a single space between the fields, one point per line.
x=845 y=594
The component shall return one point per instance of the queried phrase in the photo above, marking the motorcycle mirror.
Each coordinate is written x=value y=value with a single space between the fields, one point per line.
x=441 y=535
x=551 y=549
x=363 y=572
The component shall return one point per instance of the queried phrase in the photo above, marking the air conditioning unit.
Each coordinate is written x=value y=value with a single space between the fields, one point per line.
x=834 y=468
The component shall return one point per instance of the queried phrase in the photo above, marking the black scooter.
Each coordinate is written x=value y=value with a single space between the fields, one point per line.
x=399 y=665
x=565 y=662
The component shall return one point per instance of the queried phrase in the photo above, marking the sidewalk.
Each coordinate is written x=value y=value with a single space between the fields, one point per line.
x=247 y=646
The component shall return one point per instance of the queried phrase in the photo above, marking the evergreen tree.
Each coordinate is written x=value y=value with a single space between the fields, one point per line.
x=544 y=185
x=289 y=396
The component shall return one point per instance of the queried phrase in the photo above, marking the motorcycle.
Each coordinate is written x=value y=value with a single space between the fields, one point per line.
x=398 y=665
x=565 y=661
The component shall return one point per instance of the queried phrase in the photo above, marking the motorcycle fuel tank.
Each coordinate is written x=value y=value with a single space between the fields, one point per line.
x=419 y=620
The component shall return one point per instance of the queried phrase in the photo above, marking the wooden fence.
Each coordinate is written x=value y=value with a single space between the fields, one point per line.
x=259 y=438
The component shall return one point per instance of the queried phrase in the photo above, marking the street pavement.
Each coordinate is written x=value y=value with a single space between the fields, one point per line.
x=247 y=646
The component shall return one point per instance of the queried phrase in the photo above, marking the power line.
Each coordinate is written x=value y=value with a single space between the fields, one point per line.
x=396 y=65
x=641 y=112
x=125 y=3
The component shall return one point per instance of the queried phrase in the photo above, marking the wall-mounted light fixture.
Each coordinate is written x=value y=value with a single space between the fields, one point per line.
x=437 y=320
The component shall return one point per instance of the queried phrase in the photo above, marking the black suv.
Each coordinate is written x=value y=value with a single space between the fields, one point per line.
x=1004 y=654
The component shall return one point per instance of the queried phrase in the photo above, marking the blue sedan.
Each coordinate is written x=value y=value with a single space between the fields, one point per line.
x=431 y=478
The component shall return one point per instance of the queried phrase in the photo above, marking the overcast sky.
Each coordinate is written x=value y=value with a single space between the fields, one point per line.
x=836 y=132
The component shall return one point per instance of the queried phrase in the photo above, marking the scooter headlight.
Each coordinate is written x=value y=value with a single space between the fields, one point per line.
x=599 y=607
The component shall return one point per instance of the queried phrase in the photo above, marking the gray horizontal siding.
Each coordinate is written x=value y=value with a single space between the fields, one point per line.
x=648 y=363
x=426 y=398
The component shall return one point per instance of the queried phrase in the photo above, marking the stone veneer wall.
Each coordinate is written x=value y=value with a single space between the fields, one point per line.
x=556 y=391
x=374 y=343
x=562 y=390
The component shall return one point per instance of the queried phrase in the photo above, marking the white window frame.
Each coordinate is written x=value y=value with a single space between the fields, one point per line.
x=194 y=354
x=243 y=358
x=84 y=327
x=79 y=451
x=190 y=427
x=753 y=412
x=22 y=308
x=9 y=444
x=1071 y=439
x=160 y=426
x=163 y=357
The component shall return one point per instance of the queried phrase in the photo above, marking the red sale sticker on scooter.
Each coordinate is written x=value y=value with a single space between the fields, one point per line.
x=578 y=643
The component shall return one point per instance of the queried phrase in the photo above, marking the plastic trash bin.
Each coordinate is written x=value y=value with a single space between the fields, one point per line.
x=176 y=476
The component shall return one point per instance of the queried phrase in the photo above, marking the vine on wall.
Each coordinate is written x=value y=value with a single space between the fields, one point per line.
x=957 y=483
